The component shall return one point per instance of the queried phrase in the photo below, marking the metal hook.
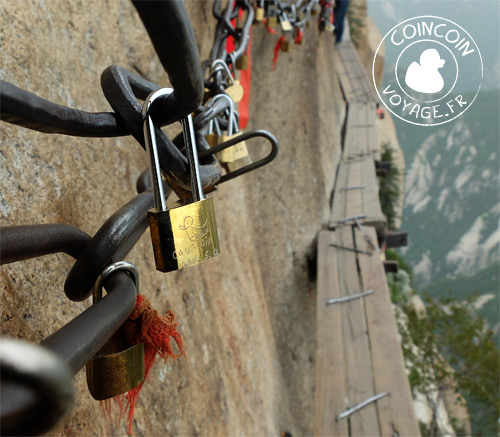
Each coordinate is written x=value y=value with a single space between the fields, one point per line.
x=231 y=119
x=224 y=67
x=243 y=137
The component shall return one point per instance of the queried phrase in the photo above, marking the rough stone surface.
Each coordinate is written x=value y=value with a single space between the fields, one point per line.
x=247 y=317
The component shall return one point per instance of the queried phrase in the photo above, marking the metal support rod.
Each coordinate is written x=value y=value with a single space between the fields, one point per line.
x=18 y=243
x=75 y=344
x=352 y=218
x=353 y=187
x=361 y=405
x=80 y=339
x=352 y=249
x=348 y=298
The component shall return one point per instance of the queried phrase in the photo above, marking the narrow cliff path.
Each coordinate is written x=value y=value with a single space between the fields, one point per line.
x=361 y=382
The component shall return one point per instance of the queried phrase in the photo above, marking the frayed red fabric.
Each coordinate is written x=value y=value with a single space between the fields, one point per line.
x=277 y=48
x=146 y=326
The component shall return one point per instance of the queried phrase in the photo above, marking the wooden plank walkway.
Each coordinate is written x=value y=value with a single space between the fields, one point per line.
x=356 y=195
x=358 y=354
x=355 y=82
x=361 y=136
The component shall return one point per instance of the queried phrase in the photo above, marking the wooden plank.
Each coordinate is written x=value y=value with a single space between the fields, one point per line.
x=356 y=344
x=396 y=411
x=349 y=203
x=339 y=197
x=330 y=377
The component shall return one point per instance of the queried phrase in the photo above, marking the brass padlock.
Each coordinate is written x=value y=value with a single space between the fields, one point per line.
x=117 y=367
x=259 y=15
x=242 y=62
x=272 y=15
x=286 y=26
x=232 y=156
x=214 y=139
x=272 y=21
x=285 y=45
x=185 y=235
x=235 y=89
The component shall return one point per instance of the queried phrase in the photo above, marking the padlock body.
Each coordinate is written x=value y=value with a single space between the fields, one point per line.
x=184 y=236
x=259 y=14
x=285 y=46
x=286 y=26
x=233 y=153
x=242 y=62
x=213 y=139
x=241 y=162
x=235 y=91
x=116 y=373
x=272 y=21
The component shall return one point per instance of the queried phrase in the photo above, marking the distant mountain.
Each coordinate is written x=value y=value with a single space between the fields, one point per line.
x=452 y=204
x=484 y=282
x=479 y=18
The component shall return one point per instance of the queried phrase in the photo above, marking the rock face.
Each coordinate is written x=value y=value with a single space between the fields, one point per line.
x=247 y=317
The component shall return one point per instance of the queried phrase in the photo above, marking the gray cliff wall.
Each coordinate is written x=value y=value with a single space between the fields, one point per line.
x=247 y=317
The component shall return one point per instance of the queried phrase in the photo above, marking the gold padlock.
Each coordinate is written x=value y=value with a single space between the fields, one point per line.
x=285 y=45
x=242 y=62
x=286 y=26
x=236 y=152
x=185 y=235
x=117 y=367
x=259 y=15
x=272 y=21
x=243 y=158
x=235 y=89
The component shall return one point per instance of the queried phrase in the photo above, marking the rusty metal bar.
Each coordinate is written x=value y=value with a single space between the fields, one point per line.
x=75 y=344
x=18 y=243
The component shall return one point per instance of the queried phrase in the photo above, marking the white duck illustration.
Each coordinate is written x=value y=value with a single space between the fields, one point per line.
x=425 y=77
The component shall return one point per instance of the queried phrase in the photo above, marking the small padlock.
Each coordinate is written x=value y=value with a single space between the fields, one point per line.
x=117 y=367
x=213 y=139
x=242 y=62
x=285 y=45
x=232 y=156
x=286 y=26
x=185 y=235
x=272 y=21
x=235 y=89
x=259 y=15
x=272 y=15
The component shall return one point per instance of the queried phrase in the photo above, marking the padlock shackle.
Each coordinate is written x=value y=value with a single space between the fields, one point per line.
x=192 y=156
x=243 y=137
x=231 y=118
x=120 y=266
x=224 y=67
x=152 y=151
x=152 y=147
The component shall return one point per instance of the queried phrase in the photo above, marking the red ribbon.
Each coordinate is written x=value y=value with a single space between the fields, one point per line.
x=277 y=48
x=245 y=80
